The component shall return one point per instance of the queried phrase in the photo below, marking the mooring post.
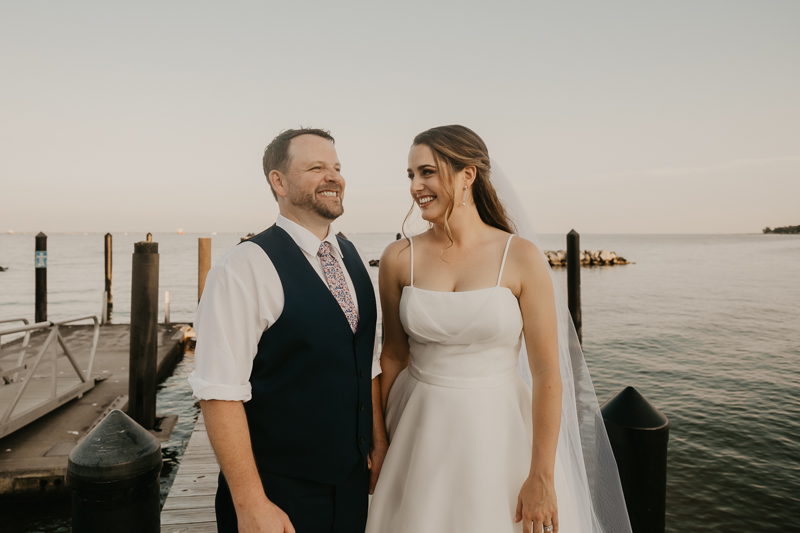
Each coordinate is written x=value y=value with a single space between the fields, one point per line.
x=108 y=283
x=166 y=307
x=40 y=265
x=149 y=237
x=203 y=263
x=574 y=281
x=144 y=334
x=113 y=474
x=104 y=309
x=639 y=434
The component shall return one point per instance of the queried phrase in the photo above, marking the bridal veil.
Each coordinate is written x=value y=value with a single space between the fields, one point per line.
x=582 y=442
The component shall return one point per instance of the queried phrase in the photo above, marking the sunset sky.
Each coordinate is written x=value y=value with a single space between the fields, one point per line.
x=610 y=117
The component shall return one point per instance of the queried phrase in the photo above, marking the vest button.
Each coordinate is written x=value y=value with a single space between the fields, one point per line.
x=362 y=374
x=362 y=440
x=356 y=342
x=362 y=406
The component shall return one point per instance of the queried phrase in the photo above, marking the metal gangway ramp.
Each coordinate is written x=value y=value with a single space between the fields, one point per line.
x=40 y=376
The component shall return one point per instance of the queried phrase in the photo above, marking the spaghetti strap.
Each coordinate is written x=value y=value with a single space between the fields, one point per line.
x=502 y=265
x=411 y=241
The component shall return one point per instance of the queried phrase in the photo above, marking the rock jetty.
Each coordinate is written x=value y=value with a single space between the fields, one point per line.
x=588 y=258
x=559 y=258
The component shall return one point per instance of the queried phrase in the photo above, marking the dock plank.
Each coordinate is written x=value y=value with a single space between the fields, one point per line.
x=203 y=515
x=190 y=503
x=190 y=528
x=186 y=502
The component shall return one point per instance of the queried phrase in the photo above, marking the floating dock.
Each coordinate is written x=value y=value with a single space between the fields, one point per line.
x=33 y=459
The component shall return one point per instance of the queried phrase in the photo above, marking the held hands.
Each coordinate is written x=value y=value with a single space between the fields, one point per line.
x=264 y=520
x=536 y=505
x=375 y=462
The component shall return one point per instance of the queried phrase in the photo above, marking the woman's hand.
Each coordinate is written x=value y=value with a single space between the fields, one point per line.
x=375 y=461
x=536 y=505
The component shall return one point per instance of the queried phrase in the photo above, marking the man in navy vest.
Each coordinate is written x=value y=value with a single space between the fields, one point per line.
x=285 y=359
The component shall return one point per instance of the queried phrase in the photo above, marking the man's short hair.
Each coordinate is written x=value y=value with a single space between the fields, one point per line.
x=276 y=154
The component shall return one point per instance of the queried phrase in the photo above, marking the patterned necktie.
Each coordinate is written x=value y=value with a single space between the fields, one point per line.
x=337 y=284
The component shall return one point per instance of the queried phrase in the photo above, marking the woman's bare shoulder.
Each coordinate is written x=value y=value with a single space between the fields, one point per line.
x=526 y=256
x=396 y=253
x=523 y=246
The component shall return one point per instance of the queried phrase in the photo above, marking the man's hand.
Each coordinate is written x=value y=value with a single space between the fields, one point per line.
x=375 y=462
x=229 y=434
x=267 y=518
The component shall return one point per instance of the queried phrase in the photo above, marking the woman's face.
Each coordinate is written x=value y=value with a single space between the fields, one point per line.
x=428 y=187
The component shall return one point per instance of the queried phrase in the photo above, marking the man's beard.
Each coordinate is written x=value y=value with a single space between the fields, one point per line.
x=311 y=203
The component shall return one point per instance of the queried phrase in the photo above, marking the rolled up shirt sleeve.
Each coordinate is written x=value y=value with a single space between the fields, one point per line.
x=242 y=297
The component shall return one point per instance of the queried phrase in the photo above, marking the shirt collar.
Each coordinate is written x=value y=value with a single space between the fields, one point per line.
x=307 y=241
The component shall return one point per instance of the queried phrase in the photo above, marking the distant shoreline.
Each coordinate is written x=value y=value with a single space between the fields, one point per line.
x=242 y=233
x=785 y=230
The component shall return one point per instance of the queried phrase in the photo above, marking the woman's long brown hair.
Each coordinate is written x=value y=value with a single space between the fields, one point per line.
x=455 y=148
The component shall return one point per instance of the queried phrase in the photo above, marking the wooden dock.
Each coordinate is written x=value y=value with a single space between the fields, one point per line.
x=33 y=459
x=190 y=503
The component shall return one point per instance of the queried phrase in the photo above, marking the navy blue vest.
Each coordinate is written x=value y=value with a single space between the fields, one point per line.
x=310 y=416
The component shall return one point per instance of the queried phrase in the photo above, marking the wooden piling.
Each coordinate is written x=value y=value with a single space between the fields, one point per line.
x=40 y=265
x=114 y=477
x=144 y=334
x=149 y=237
x=203 y=263
x=166 y=307
x=639 y=435
x=574 y=281
x=108 y=280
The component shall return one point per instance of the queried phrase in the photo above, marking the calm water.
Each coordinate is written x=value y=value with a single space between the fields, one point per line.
x=706 y=326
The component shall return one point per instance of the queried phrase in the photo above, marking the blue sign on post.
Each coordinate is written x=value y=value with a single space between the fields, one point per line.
x=41 y=260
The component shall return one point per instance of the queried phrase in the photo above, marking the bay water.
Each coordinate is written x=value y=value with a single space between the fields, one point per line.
x=707 y=327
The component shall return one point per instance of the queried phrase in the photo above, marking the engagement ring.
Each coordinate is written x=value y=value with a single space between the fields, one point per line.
x=548 y=528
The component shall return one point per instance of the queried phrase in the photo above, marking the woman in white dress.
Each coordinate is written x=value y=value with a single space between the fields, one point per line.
x=472 y=448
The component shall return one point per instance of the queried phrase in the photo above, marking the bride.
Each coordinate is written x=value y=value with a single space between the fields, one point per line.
x=491 y=417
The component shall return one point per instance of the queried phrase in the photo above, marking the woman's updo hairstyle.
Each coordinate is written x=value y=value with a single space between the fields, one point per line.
x=455 y=148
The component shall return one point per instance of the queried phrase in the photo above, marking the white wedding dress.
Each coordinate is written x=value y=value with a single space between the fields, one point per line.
x=459 y=419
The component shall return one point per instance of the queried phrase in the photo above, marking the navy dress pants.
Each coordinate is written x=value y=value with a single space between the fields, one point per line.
x=312 y=507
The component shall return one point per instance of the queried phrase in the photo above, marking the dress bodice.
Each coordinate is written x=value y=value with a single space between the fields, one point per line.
x=468 y=339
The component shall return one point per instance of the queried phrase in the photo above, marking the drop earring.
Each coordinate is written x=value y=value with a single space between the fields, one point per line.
x=464 y=202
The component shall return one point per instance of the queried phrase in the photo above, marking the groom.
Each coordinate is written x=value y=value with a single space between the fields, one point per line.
x=284 y=359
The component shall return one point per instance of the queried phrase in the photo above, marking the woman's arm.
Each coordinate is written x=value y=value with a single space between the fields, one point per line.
x=392 y=277
x=537 y=504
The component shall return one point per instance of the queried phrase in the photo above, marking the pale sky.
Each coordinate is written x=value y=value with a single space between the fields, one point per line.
x=610 y=117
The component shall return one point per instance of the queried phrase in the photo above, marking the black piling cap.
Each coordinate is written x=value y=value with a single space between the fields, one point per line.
x=630 y=409
x=117 y=449
x=144 y=247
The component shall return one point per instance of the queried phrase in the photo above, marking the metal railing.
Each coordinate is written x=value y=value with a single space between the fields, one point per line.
x=25 y=340
x=46 y=402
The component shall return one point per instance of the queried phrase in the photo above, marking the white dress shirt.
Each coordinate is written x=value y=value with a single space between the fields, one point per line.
x=243 y=297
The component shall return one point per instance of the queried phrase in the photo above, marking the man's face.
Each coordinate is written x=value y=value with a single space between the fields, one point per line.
x=314 y=182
